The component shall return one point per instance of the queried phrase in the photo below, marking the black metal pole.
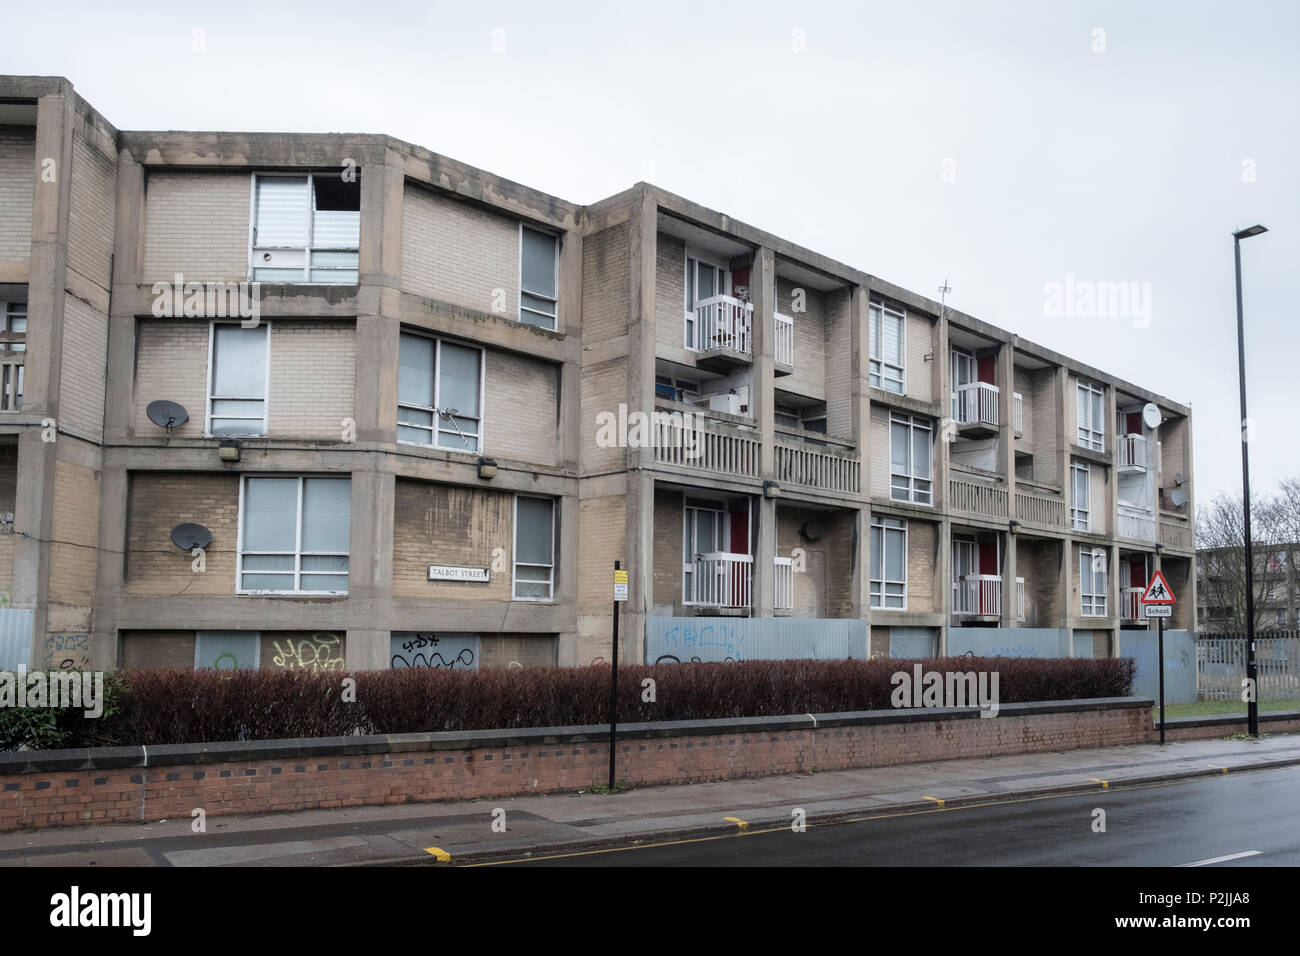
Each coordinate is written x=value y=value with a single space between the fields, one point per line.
x=1252 y=707
x=1160 y=644
x=613 y=694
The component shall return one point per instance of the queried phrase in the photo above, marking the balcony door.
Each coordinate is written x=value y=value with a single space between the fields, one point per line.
x=965 y=562
x=964 y=372
x=706 y=531
x=704 y=280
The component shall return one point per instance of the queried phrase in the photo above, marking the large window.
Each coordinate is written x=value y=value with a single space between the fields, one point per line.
x=887 y=345
x=1092 y=582
x=238 y=360
x=1092 y=432
x=1079 y=497
x=534 y=549
x=293 y=535
x=306 y=228
x=889 y=563
x=538 y=271
x=910 y=474
x=439 y=393
x=13 y=322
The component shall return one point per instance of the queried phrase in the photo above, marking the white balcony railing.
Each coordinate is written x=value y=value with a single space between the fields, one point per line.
x=1018 y=407
x=783 y=598
x=1135 y=523
x=1132 y=453
x=11 y=380
x=977 y=497
x=981 y=595
x=976 y=403
x=978 y=594
x=723 y=323
x=721 y=579
x=707 y=446
x=1130 y=604
x=784 y=340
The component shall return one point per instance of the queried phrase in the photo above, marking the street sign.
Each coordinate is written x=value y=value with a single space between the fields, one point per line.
x=1158 y=591
x=620 y=585
x=1157 y=610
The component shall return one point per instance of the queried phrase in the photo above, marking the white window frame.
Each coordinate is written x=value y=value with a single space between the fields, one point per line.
x=690 y=324
x=912 y=492
x=514 y=556
x=877 y=366
x=880 y=585
x=1092 y=603
x=436 y=428
x=298 y=553
x=722 y=528
x=957 y=358
x=554 y=300
x=1091 y=433
x=308 y=249
x=266 y=385
x=1081 y=512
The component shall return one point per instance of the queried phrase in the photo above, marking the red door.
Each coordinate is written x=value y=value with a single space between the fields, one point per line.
x=1133 y=426
x=986 y=369
x=988 y=565
x=739 y=544
x=1137 y=572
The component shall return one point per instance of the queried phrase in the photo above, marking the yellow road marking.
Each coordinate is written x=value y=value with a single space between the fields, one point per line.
x=740 y=824
x=1104 y=784
x=438 y=853
x=936 y=800
x=784 y=828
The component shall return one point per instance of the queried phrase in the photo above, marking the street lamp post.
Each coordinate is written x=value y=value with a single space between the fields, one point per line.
x=1252 y=706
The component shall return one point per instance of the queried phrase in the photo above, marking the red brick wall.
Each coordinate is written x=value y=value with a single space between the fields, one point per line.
x=545 y=761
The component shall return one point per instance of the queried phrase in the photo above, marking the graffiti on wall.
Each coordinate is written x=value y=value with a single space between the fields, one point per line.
x=65 y=651
x=320 y=652
x=704 y=642
x=432 y=650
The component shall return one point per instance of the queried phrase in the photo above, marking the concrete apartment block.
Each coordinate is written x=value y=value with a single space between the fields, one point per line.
x=774 y=445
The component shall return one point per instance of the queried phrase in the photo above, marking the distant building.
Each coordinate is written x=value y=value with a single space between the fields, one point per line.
x=1221 y=589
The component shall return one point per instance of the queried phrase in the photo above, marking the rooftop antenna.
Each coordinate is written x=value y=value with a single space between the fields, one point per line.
x=943 y=296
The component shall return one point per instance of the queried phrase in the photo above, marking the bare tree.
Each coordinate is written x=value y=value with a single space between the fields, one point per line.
x=1275 y=538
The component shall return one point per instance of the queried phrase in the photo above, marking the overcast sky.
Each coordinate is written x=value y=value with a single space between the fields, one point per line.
x=1004 y=146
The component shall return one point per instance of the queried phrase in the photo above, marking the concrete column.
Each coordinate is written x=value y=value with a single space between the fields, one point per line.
x=638 y=555
x=1066 y=586
x=128 y=242
x=947 y=432
x=1113 y=585
x=1065 y=434
x=378 y=304
x=762 y=284
x=1006 y=381
x=1111 y=474
x=110 y=571
x=860 y=419
x=370 y=571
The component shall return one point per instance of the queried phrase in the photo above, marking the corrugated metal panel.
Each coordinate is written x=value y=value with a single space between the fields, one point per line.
x=15 y=638
x=1180 y=664
x=1047 y=642
x=750 y=639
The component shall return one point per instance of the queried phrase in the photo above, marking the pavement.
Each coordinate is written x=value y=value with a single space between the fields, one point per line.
x=531 y=826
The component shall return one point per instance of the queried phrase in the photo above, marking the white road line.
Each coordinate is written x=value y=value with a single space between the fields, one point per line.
x=1221 y=859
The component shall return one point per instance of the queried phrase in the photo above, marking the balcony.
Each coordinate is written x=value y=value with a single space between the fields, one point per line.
x=1018 y=410
x=975 y=409
x=983 y=498
x=1130 y=605
x=783 y=596
x=784 y=357
x=980 y=595
x=829 y=465
x=1175 y=535
x=1132 y=455
x=724 y=444
x=1045 y=509
x=723 y=327
x=13 y=355
x=1135 y=523
x=720 y=579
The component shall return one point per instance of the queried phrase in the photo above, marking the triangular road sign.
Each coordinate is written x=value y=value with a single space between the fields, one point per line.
x=1158 y=591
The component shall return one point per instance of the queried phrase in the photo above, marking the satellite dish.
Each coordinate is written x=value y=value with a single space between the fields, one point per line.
x=1179 y=479
x=189 y=536
x=167 y=414
x=811 y=531
x=1151 y=415
x=1179 y=498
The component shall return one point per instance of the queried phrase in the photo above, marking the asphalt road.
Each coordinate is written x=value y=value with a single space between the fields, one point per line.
x=1173 y=824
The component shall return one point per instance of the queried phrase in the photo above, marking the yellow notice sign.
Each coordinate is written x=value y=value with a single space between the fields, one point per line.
x=620 y=585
